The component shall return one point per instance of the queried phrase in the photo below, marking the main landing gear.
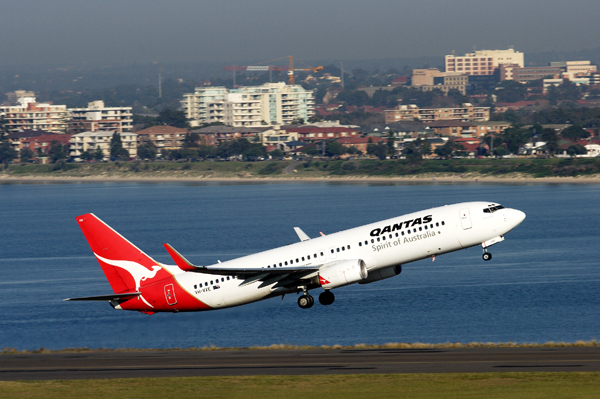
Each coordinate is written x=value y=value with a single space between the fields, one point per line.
x=326 y=298
x=306 y=301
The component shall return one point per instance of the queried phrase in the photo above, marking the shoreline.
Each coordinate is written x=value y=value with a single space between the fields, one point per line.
x=418 y=179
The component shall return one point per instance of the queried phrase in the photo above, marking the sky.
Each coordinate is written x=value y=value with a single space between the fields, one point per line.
x=124 y=32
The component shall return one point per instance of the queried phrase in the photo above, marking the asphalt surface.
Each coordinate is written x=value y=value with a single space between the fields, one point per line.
x=117 y=364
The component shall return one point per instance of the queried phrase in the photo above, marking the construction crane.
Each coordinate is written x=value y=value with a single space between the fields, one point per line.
x=256 y=68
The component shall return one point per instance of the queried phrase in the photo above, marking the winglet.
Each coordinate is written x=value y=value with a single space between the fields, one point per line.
x=301 y=235
x=180 y=261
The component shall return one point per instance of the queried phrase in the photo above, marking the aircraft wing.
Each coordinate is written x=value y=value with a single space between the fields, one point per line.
x=281 y=275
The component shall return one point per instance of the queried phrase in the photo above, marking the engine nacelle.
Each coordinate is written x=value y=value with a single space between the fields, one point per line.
x=343 y=273
x=382 y=274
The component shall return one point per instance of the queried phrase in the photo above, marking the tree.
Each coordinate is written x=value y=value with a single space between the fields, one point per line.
x=57 y=152
x=7 y=153
x=390 y=143
x=379 y=150
x=116 y=147
x=26 y=154
x=575 y=132
x=98 y=154
x=549 y=136
x=333 y=148
x=514 y=138
x=412 y=153
x=277 y=153
x=576 y=149
x=173 y=118
x=87 y=155
x=448 y=149
x=309 y=150
x=191 y=140
x=255 y=152
x=147 y=151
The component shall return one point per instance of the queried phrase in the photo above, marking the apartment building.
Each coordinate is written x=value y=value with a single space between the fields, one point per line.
x=99 y=117
x=483 y=62
x=163 y=137
x=466 y=113
x=449 y=81
x=249 y=106
x=90 y=141
x=30 y=115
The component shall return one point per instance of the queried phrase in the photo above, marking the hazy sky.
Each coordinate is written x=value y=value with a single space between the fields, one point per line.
x=140 y=31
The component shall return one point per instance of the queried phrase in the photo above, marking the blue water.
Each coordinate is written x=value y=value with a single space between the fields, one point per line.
x=542 y=284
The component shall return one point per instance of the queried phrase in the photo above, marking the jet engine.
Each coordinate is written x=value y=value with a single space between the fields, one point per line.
x=382 y=274
x=343 y=273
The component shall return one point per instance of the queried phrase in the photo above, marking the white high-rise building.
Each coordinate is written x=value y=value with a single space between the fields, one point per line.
x=99 y=117
x=483 y=62
x=271 y=104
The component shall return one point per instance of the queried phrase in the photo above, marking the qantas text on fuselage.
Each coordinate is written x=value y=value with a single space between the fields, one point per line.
x=363 y=255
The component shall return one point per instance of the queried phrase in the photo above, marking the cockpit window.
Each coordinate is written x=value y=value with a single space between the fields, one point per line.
x=492 y=208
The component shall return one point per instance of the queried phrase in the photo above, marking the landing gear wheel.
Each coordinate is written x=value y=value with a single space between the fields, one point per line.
x=326 y=298
x=487 y=256
x=306 y=301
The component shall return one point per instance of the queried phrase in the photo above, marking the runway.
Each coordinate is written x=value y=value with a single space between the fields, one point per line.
x=122 y=364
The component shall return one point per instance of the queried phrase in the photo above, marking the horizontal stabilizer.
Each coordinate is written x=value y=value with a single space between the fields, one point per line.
x=110 y=297
x=180 y=261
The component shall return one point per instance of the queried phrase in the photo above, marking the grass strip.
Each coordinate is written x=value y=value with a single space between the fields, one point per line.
x=469 y=385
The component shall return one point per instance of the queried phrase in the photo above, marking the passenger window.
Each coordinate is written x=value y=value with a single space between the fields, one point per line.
x=195 y=286
x=425 y=227
x=443 y=223
x=437 y=224
x=222 y=279
x=348 y=246
x=396 y=234
x=206 y=284
x=291 y=261
x=378 y=239
x=372 y=241
x=303 y=259
x=321 y=254
x=402 y=233
x=286 y=262
x=383 y=238
x=415 y=230
x=279 y=264
x=211 y=282
x=391 y=236
x=338 y=249
x=420 y=229
x=332 y=251
x=366 y=242
x=227 y=278
x=308 y=257
x=360 y=244
x=297 y=260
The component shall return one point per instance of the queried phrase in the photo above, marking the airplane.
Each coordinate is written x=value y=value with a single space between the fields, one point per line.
x=363 y=255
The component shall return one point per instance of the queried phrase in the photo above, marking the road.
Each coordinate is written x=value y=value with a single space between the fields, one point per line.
x=135 y=364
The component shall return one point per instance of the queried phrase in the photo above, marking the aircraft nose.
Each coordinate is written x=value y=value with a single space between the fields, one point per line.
x=516 y=217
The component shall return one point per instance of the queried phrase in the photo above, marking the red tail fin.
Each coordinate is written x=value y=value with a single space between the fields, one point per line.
x=124 y=265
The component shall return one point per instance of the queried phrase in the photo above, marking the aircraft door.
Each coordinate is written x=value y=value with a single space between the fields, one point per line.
x=170 y=295
x=332 y=253
x=465 y=219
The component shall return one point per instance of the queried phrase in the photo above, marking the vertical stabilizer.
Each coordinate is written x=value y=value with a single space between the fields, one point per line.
x=124 y=265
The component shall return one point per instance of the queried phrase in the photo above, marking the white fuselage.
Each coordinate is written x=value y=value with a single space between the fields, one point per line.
x=380 y=245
